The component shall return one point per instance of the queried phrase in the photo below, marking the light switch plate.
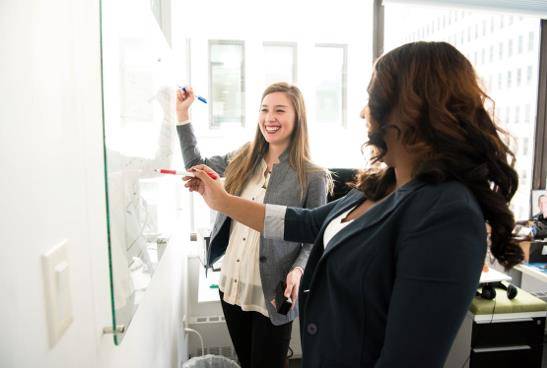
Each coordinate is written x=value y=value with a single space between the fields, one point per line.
x=57 y=291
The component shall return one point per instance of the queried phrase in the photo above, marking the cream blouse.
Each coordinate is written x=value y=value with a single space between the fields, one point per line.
x=240 y=273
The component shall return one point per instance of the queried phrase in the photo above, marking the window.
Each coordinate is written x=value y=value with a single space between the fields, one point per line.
x=500 y=81
x=500 y=50
x=279 y=62
x=509 y=102
x=227 y=81
x=330 y=89
x=523 y=179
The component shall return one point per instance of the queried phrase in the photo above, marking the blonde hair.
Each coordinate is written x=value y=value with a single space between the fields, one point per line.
x=244 y=163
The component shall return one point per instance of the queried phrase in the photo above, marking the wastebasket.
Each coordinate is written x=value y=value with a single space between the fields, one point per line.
x=210 y=361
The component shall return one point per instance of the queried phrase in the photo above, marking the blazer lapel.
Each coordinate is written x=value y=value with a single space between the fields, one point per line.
x=373 y=216
x=353 y=198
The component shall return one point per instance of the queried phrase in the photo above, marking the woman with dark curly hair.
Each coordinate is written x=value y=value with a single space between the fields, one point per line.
x=396 y=262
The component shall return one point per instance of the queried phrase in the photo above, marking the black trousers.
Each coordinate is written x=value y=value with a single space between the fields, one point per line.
x=258 y=343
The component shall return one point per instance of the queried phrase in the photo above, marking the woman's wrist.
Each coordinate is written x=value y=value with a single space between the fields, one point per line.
x=183 y=117
x=226 y=203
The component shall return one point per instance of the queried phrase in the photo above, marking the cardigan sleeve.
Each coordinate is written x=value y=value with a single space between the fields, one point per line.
x=191 y=154
x=316 y=196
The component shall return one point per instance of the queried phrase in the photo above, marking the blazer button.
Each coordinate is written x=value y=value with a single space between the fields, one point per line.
x=311 y=328
x=262 y=259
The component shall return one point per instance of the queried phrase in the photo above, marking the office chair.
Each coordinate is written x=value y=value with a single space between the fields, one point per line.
x=341 y=177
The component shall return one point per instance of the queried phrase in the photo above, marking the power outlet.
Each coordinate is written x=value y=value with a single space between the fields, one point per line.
x=56 y=272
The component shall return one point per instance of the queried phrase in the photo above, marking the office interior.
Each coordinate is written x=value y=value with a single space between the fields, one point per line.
x=102 y=264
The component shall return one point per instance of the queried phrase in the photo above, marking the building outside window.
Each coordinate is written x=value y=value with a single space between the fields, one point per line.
x=401 y=19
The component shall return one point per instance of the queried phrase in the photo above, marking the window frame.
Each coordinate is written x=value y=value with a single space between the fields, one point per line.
x=540 y=161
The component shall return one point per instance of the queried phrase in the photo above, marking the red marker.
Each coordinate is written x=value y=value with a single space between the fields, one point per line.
x=183 y=173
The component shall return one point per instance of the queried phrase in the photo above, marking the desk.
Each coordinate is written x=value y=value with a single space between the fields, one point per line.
x=500 y=333
x=534 y=270
x=534 y=250
x=208 y=286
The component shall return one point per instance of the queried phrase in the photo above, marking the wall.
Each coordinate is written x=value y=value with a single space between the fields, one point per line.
x=52 y=189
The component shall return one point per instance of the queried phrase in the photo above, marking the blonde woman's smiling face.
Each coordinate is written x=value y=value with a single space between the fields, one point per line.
x=277 y=118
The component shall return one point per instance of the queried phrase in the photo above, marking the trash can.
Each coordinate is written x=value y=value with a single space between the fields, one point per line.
x=210 y=361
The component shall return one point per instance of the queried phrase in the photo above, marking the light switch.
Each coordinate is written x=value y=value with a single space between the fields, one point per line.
x=57 y=291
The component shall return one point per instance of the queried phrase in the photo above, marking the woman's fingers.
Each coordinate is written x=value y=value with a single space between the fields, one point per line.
x=206 y=170
x=288 y=290
x=201 y=167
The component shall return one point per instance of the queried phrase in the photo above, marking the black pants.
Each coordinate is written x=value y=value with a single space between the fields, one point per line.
x=258 y=343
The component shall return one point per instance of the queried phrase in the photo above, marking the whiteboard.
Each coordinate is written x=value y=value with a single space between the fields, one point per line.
x=139 y=82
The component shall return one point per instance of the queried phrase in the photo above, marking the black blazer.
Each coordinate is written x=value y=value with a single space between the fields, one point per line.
x=392 y=288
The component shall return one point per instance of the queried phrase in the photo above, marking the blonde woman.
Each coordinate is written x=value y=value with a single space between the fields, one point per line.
x=274 y=168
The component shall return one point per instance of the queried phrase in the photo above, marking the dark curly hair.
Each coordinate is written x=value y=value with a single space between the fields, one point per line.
x=433 y=90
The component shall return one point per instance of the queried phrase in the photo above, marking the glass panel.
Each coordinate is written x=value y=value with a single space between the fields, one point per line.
x=227 y=81
x=509 y=73
x=138 y=138
x=330 y=85
x=279 y=63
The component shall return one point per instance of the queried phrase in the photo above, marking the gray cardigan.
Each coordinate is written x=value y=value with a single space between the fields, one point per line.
x=277 y=257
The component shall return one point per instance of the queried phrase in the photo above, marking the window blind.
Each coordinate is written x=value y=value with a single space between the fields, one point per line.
x=531 y=7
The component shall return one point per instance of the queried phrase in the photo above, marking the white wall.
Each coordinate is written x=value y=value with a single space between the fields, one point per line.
x=52 y=189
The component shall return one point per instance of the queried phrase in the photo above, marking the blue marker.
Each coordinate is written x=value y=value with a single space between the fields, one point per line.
x=202 y=99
